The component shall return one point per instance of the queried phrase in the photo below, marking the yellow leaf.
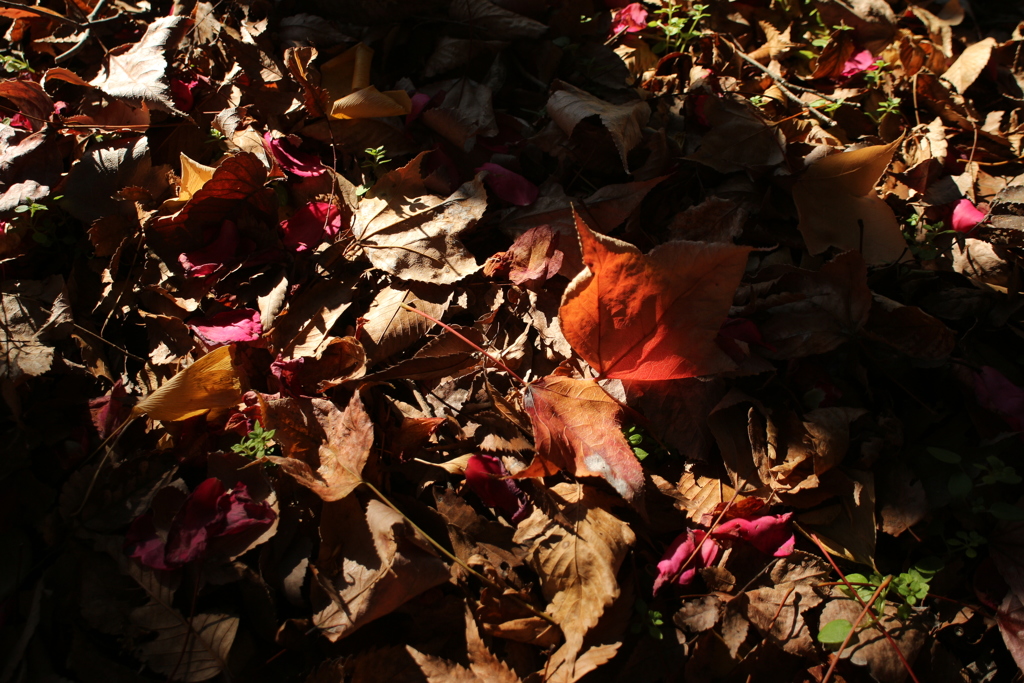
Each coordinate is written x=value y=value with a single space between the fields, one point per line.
x=838 y=205
x=193 y=176
x=211 y=382
x=347 y=79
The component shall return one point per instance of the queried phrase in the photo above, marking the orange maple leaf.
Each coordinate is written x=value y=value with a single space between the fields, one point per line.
x=654 y=316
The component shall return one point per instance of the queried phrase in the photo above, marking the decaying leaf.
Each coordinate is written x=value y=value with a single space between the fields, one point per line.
x=414 y=235
x=371 y=562
x=325 y=448
x=137 y=75
x=577 y=427
x=568 y=105
x=577 y=566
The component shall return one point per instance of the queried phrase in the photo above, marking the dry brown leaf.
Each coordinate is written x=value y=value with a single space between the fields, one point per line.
x=414 y=235
x=568 y=105
x=371 y=562
x=870 y=648
x=136 y=74
x=495 y=20
x=739 y=139
x=577 y=568
x=839 y=207
x=347 y=79
x=438 y=670
x=185 y=649
x=211 y=382
x=325 y=448
x=25 y=354
x=390 y=328
x=969 y=65
x=481 y=660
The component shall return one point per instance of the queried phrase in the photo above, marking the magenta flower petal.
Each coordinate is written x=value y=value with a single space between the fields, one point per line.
x=307 y=226
x=630 y=19
x=213 y=256
x=508 y=185
x=861 y=61
x=966 y=216
x=242 y=325
x=1001 y=396
x=487 y=478
x=291 y=160
x=770 y=534
x=677 y=555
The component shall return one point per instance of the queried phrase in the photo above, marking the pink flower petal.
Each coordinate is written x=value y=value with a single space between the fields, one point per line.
x=143 y=543
x=508 y=185
x=630 y=19
x=484 y=476
x=1001 y=396
x=770 y=534
x=966 y=216
x=861 y=61
x=242 y=325
x=677 y=555
x=289 y=158
x=307 y=227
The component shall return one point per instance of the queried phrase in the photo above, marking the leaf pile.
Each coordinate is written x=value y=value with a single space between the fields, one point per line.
x=512 y=341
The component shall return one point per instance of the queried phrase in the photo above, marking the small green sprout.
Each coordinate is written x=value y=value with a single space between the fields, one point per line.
x=256 y=443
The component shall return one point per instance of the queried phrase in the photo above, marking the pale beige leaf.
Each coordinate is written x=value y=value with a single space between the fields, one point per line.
x=481 y=660
x=137 y=75
x=416 y=237
x=838 y=205
x=577 y=568
x=211 y=382
x=560 y=669
x=969 y=65
x=437 y=670
x=188 y=650
x=569 y=105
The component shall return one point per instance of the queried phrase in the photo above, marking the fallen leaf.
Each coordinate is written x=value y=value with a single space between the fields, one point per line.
x=576 y=568
x=347 y=79
x=185 y=649
x=136 y=74
x=1010 y=619
x=839 y=207
x=371 y=562
x=310 y=224
x=568 y=106
x=413 y=236
x=577 y=427
x=968 y=66
x=211 y=382
x=325 y=448
x=652 y=317
x=25 y=353
x=739 y=139
x=390 y=328
x=870 y=648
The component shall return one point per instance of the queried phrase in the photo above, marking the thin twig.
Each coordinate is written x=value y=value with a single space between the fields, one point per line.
x=41 y=11
x=849 y=636
x=784 y=86
x=878 y=622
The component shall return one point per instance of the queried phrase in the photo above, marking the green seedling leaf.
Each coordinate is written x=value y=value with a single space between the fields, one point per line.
x=942 y=455
x=1006 y=512
x=834 y=632
x=960 y=485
